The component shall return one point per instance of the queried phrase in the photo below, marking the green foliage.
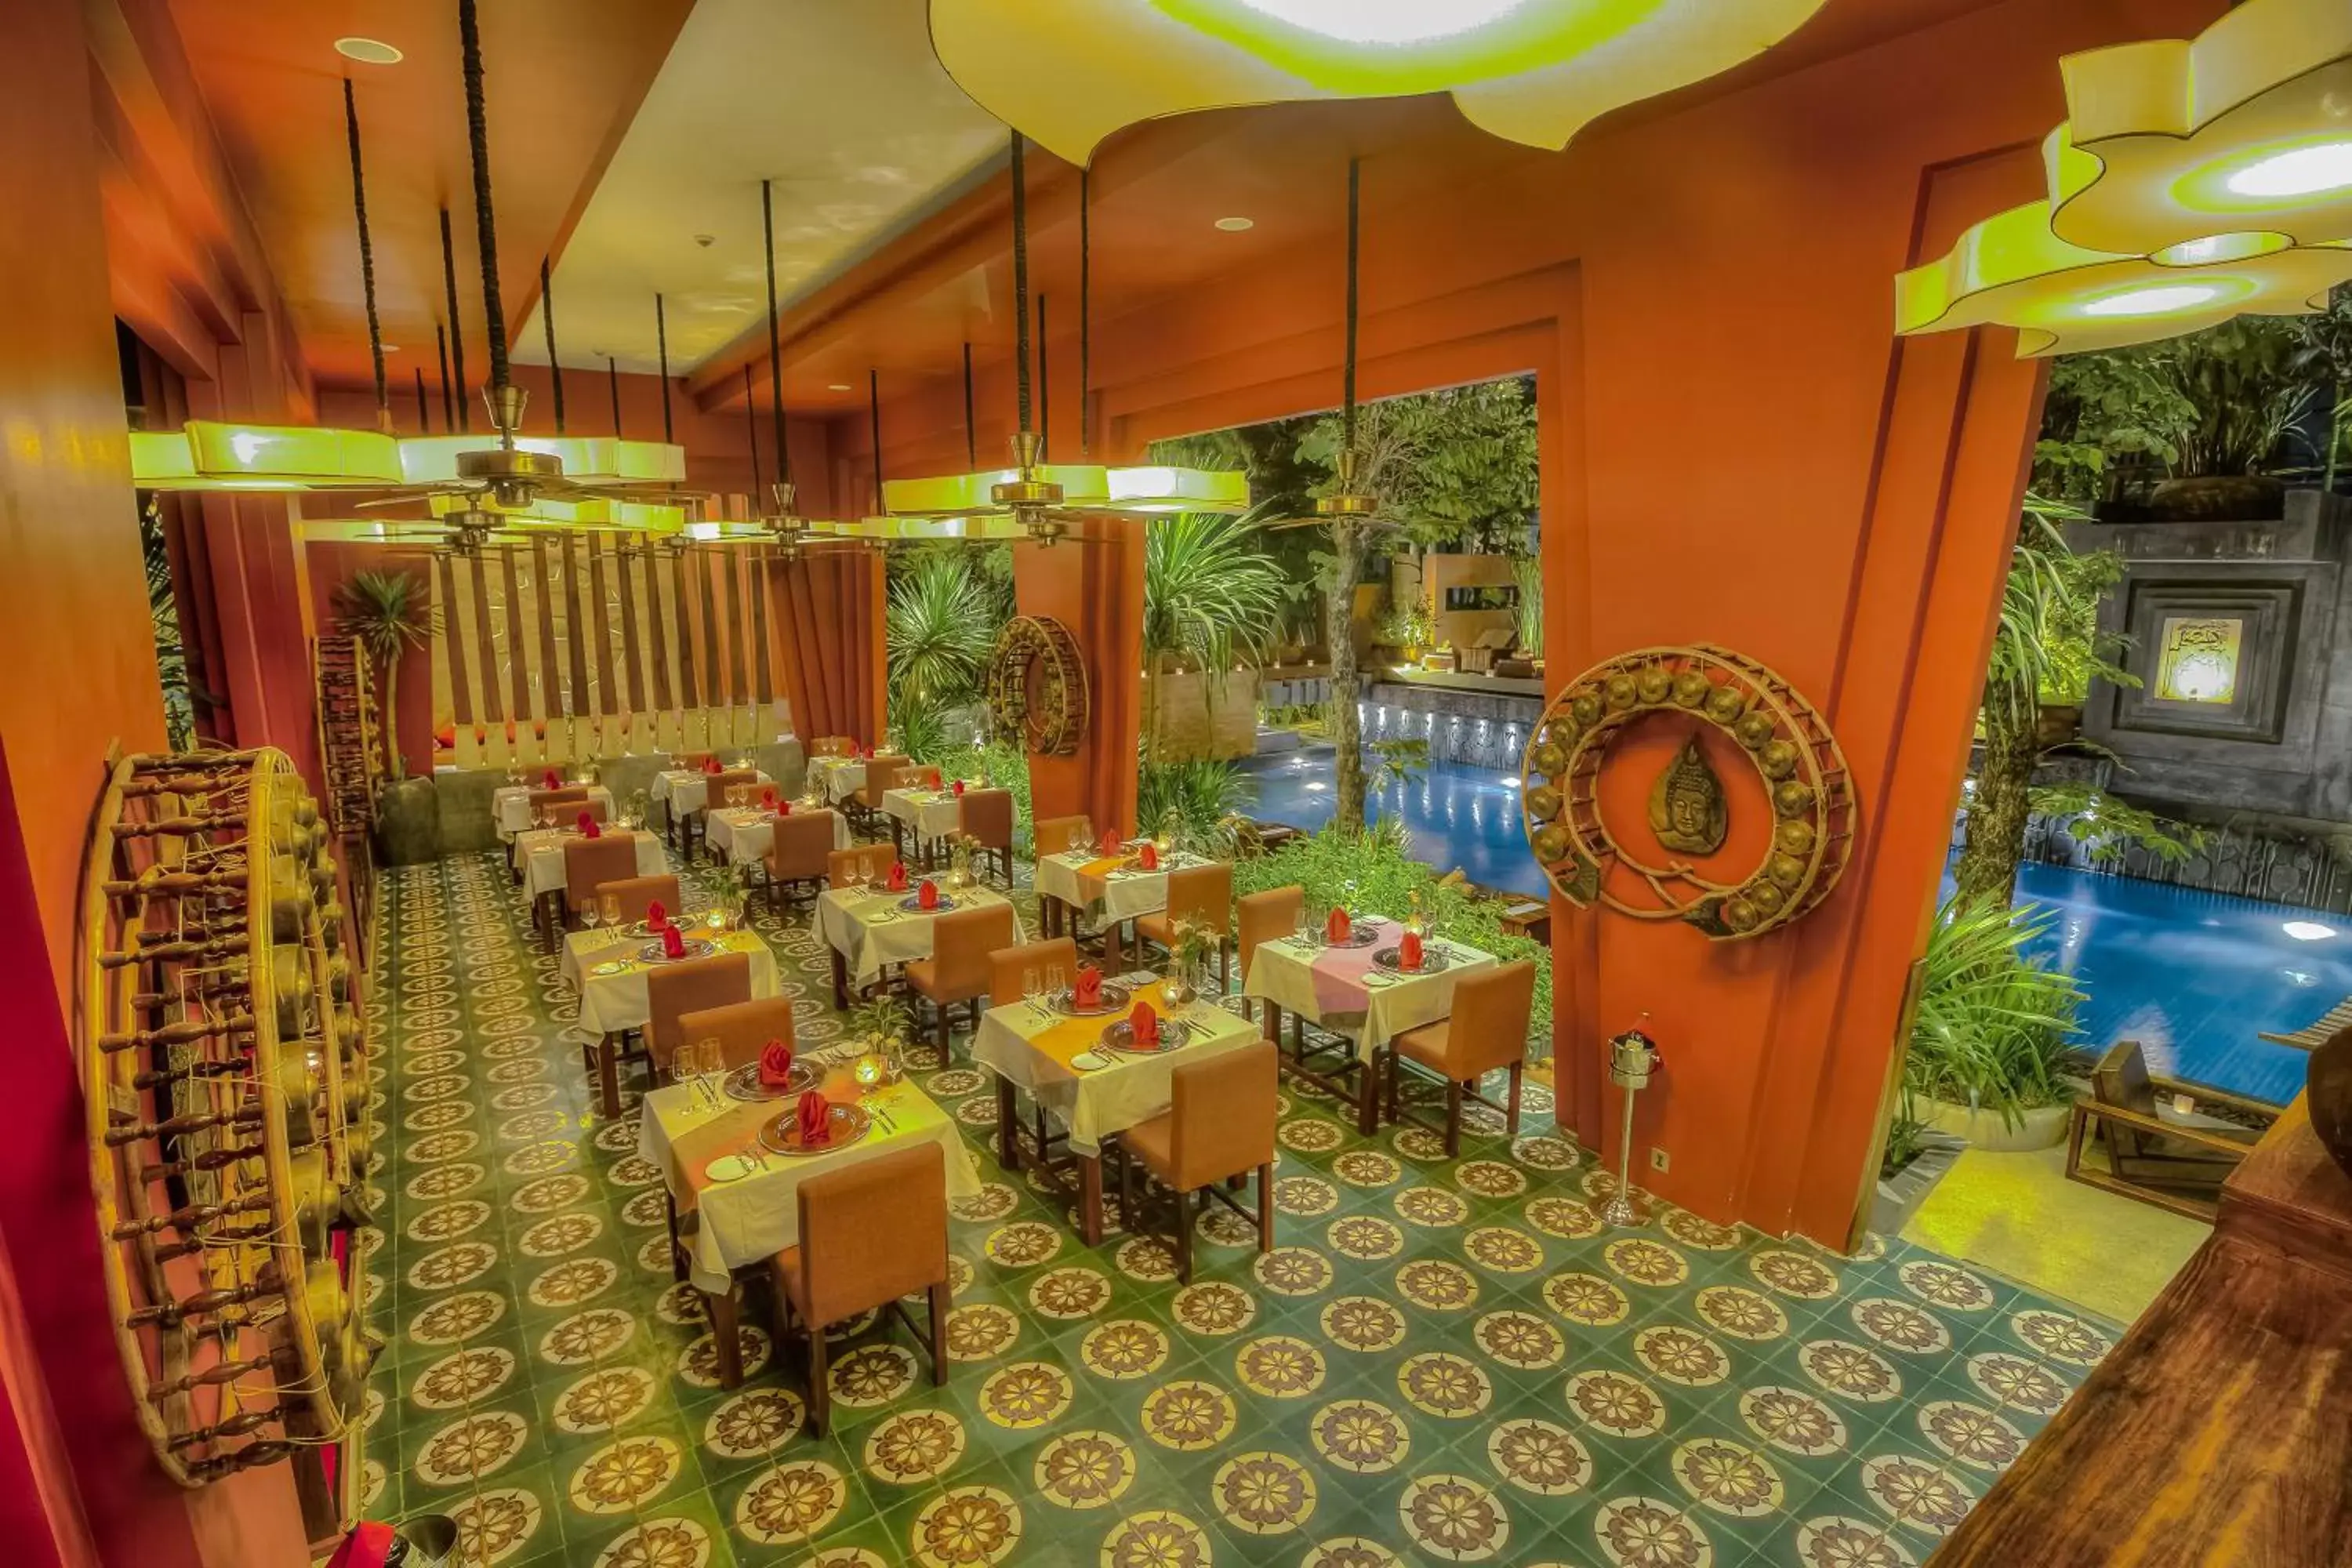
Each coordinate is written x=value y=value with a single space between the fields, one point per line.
x=2047 y=645
x=2107 y=826
x=1212 y=597
x=389 y=614
x=1905 y=1136
x=1193 y=803
x=1527 y=570
x=1406 y=626
x=886 y=1016
x=163 y=621
x=996 y=765
x=1994 y=1029
x=1399 y=760
x=2213 y=403
x=1378 y=862
x=1457 y=467
x=920 y=728
x=941 y=625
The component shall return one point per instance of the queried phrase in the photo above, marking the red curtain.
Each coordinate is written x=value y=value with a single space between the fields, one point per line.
x=827 y=612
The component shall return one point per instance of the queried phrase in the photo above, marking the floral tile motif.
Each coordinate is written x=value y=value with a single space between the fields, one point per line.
x=1438 y=1361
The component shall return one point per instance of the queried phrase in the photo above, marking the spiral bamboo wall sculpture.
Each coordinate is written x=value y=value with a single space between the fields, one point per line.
x=225 y=1068
x=1797 y=760
x=1037 y=687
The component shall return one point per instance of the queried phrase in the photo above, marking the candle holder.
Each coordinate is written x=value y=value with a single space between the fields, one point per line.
x=1632 y=1058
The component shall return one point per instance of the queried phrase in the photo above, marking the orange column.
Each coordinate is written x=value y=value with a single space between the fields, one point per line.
x=1095 y=587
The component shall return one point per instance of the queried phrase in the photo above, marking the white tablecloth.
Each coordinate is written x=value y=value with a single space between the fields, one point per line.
x=750 y=1221
x=686 y=791
x=540 y=853
x=511 y=807
x=742 y=834
x=612 y=1002
x=1095 y=1105
x=1126 y=894
x=1282 y=973
x=837 y=778
x=848 y=926
x=932 y=814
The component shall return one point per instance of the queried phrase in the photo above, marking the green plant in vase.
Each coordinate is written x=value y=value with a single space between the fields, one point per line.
x=1188 y=958
x=879 y=1027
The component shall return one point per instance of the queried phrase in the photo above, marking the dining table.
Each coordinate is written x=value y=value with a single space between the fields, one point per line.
x=685 y=791
x=740 y=835
x=836 y=779
x=1356 y=991
x=1076 y=1069
x=706 y=1135
x=868 y=930
x=537 y=855
x=928 y=815
x=1114 y=888
x=511 y=804
x=607 y=970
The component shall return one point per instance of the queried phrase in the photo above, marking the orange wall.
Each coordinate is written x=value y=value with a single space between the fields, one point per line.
x=1715 y=281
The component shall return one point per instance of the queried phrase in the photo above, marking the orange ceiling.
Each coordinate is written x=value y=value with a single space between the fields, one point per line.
x=561 y=78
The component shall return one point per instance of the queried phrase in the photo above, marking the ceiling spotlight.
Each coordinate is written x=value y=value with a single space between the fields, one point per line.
x=2307 y=931
x=705 y=240
x=1237 y=224
x=368 y=51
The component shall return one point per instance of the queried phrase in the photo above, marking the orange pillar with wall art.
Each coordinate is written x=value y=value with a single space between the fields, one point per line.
x=1093 y=584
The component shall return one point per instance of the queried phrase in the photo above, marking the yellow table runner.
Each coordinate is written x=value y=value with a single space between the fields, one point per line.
x=1069 y=1037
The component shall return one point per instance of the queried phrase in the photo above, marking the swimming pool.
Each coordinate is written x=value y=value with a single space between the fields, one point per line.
x=2192 y=976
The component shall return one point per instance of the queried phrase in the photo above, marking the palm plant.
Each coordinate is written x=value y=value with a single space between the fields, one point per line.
x=1994 y=1030
x=1527 y=572
x=1211 y=599
x=1193 y=803
x=389 y=614
x=941 y=626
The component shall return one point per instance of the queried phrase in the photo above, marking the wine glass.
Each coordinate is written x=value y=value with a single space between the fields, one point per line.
x=1029 y=987
x=1300 y=933
x=1053 y=979
x=711 y=1060
x=591 y=912
x=609 y=905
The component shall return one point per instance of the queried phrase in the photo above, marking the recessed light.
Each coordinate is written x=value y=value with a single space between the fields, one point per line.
x=2163 y=301
x=2307 y=931
x=2305 y=172
x=1386 y=22
x=838 y=386
x=392 y=348
x=368 y=51
x=1237 y=224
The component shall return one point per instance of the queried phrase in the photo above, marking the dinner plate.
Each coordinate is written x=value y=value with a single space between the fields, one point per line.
x=743 y=1083
x=1115 y=998
x=1364 y=930
x=696 y=947
x=1379 y=979
x=730 y=1167
x=913 y=904
x=1121 y=1038
x=609 y=966
x=783 y=1133
x=1090 y=1061
x=1391 y=959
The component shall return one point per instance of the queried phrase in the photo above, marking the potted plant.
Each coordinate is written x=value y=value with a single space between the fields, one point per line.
x=1991 y=1051
x=879 y=1026
x=388 y=613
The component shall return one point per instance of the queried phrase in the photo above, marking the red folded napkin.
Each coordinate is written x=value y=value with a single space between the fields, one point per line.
x=550 y=780
x=783 y=808
x=657 y=916
x=1145 y=1023
x=1148 y=856
x=673 y=943
x=1087 y=992
x=959 y=786
x=768 y=797
x=1110 y=843
x=775 y=1064
x=927 y=895
x=589 y=827
x=711 y=765
x=1336 y=928
x=898 y=875
x=815 y=1119
x=1409 y=950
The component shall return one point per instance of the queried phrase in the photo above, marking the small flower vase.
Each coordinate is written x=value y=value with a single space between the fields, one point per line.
x=1178 y=986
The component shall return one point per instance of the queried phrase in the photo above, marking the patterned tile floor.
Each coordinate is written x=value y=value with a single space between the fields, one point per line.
x=1446 y=1361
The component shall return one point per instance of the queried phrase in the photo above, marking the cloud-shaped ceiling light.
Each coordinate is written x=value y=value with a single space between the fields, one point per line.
x=2246 y=128
x=2012 y=270
x=1068 y=73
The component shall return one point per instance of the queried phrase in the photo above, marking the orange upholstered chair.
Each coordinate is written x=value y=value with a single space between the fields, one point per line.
x=1202 y=895
x=590 y=863
x=985 y=818
x=1055 y=836
x=674 y=990
x=959 y=968
x=800 y=853
x=1006 y=964
x=881 y=777
x=634 y=895
x=574 y=795
x=1258 y=918
x=871 y=1233
x=741 y=1028
x=1488 y=1029
x=871 y=861
x=1219 y=1124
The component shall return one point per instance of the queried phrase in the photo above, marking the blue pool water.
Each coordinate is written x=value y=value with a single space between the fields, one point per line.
x=2192 y=976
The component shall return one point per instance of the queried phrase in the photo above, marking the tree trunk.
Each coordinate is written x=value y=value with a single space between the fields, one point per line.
x=1347 y=730
x=1998 y=811
x=388 y=715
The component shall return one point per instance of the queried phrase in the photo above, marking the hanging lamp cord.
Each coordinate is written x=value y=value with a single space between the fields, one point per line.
x=367 y=254
x=775 y=342
x=478 y=143
x=873 y=427
x=751 y=418
x=1348 y=389
x=661 y=343
x=1085 y=314
x=547 y=319
x=1020 y=276
x=971 y=429
x=463 y=419
x=612 y=380
x=424 y=409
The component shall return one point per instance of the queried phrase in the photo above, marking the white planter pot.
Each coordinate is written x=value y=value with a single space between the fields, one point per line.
x=2041 y=1128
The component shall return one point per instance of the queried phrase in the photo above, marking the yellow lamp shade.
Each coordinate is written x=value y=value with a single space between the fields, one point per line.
x=209 y=455
x=1068 y=73
x=1159 y=487
x=2011 y=270
x=979 y=526
x=2246 y=128
x=587 y=460
x=594 y=514
x=1084 y=486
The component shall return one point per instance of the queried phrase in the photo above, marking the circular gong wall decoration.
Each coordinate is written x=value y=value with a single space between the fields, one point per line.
x=1805 y=785
x=1037 y=686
